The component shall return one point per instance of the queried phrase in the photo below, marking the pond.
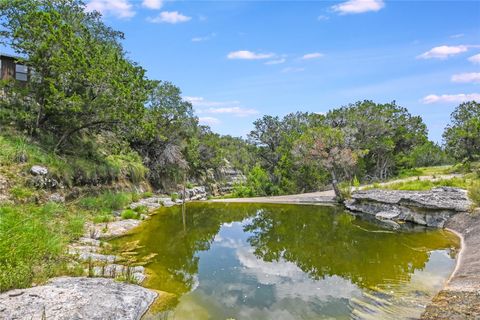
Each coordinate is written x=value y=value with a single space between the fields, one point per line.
x=271 y=261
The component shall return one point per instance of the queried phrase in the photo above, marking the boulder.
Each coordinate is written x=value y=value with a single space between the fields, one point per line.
x=38 y=170
x=430 y=208
x=77 y=298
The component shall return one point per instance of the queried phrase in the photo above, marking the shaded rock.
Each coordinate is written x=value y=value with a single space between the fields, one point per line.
x=38 y=170
x=77 y=298
x=430 y=208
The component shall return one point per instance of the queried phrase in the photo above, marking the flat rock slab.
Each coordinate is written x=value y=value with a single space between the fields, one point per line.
x=443 y=198
x=110 y=229
x=77 y=298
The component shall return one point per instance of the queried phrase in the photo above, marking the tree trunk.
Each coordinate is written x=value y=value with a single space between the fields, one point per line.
x=338 y=193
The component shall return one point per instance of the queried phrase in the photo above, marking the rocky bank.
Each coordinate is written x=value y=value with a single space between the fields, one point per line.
x=77 y=298
x=429 y=208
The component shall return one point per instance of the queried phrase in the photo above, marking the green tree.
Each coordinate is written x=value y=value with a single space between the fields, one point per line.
x=81 y=79
x=462 y=135
x=329 y=147
x=387 y=131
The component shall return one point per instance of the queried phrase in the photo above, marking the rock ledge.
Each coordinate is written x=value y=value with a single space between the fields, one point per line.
x=430 y=208
x=77 y=298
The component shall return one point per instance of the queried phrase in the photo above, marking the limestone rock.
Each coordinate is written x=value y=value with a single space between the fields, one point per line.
x=77 y=298
x=56 y=197
x=38 y=170
x=110 y=229
x=151 y=203
x=430 y=208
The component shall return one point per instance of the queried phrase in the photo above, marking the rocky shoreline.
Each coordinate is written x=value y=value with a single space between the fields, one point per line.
x=443 y=207
x=110 y=287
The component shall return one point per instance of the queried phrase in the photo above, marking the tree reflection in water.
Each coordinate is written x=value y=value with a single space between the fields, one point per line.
x=321 y=241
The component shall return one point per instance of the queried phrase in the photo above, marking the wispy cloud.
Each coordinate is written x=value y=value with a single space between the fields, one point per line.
x=292 y=69
x=249 y=55
x=172 y=17
x=203 y=106
x=475 y=59
x=451 y=98
x=323 y=17
x=152 y=4
x=122 y=9
x=208 y=120
x=314 y=55
x=205 y=38
x=358 y=6
x=278 y=61
x=456 y=36
x=443 y=52
x=467 y=77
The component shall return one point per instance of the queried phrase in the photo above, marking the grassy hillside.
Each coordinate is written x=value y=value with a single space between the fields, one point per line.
x=34 y=232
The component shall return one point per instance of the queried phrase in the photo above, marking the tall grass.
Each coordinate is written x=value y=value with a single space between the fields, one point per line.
x=428 y=184
x=87 y=168
x=32 y=242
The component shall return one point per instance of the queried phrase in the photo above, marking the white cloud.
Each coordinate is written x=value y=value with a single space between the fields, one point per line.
x=152 y=4
x=236 y=111
x=234 y=108
x=248 y=55
x=292 y=69
x=314 y=55
x=443 y=52
x=323 y=17
x=172 y=17
x=279 y=61
x=451 y=98
x=475 y=59
x=358 y=6
x=205 y=38
x=466 y=77
x=208 y=120
x=118 y=8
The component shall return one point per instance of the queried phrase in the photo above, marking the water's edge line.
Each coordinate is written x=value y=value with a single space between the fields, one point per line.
x=459 y=258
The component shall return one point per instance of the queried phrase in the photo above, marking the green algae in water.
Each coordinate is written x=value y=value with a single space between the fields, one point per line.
x=265 y=261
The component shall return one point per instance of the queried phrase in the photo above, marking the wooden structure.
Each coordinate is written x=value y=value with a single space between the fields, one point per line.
x=10 y=69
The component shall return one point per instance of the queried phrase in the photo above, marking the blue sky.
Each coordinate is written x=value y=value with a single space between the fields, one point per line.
x=237 y=61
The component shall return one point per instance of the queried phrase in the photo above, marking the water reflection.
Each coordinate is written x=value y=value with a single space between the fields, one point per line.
x=252 y=261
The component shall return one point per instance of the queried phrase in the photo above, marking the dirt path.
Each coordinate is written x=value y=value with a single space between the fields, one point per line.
x=324 y=197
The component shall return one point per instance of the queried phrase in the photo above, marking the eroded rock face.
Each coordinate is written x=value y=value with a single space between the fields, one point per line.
x=429 y=208
x=77 y=298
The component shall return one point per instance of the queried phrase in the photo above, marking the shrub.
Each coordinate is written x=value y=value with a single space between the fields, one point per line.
x=130 y=214
x=474 y=193
x=174 y=196
x=141 y=209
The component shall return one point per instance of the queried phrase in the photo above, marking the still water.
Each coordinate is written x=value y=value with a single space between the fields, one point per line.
x=264 y=261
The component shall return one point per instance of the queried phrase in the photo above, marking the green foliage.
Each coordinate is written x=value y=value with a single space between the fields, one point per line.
x=257 y=184
x=130 y=214
x=106 y=202
x=427 y=154
x=22 y=193
x=80 y=69
x=462 y=136
x=474 y=193
x=419 y=184
x=174 y=196
x=141 y=209
x=32 y=241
